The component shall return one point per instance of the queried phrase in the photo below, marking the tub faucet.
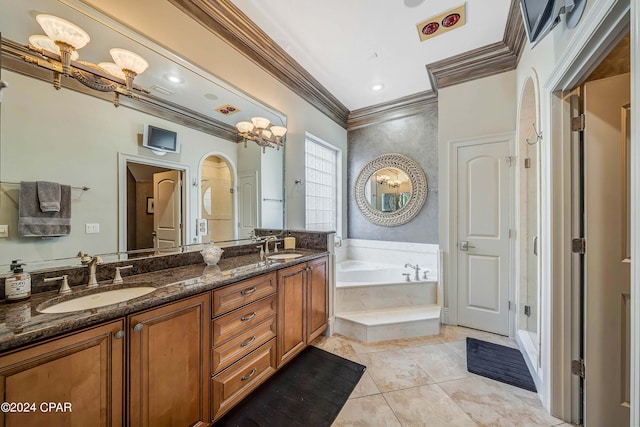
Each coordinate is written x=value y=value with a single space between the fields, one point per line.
x=416 y=268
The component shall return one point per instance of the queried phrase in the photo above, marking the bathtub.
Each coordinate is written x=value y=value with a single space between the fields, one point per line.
x=365 y=273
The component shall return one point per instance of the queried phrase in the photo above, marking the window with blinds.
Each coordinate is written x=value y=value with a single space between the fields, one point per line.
x=321 y=186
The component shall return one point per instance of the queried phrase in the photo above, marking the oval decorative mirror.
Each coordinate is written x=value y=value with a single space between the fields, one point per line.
x=391 y=189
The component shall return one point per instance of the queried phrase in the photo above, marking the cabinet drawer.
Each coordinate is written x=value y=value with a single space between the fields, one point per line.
x=234 y=323
x=242 y=344
x=234 y=296
x=232 y=385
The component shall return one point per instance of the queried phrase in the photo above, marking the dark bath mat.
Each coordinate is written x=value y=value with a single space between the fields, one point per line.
x=308 y=391
x=500 y=363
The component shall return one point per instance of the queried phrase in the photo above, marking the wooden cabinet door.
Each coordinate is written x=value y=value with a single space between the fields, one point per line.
x=169 y=365
x=292 y=295
x=82 y=372
x=317 y=298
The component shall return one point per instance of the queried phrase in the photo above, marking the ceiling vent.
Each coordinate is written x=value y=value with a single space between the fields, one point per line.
x=442 y=23
x=162 y=90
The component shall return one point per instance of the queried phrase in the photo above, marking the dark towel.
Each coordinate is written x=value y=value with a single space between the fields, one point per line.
x=49 y=196
x=33 y=222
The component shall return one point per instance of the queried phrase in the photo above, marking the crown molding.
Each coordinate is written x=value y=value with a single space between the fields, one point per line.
x=225 y=20
x=485 y=61
x=391 y=110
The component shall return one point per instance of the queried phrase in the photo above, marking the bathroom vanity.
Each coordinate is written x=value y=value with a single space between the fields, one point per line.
x=181 y=355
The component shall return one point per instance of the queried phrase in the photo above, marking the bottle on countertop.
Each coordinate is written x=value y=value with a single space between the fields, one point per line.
x=17 y=286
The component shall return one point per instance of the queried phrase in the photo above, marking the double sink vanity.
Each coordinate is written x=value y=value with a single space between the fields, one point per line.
x=196 y=343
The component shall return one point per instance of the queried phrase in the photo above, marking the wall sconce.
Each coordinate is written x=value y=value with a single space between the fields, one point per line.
x=62 y=41
x=259 y=131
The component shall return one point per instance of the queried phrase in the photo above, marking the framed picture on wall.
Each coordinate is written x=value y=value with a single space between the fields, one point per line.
x=149 y=205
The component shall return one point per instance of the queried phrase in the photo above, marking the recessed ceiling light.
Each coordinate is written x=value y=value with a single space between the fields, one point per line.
x=211 y=96
x=377 y=87
x=173 y=78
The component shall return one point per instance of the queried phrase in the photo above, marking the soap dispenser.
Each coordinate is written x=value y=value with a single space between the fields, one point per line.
x=17 y=286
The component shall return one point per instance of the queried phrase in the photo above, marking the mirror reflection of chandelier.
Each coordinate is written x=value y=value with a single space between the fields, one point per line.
x=382 y=179
x=262 y=132
x=394 y=183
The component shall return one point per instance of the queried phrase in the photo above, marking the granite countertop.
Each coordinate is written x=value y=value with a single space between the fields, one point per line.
x=24 y=324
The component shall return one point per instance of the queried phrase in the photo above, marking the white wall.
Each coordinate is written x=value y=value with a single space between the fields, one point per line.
x=68 y=137
x=481 y=107
x=176 y=31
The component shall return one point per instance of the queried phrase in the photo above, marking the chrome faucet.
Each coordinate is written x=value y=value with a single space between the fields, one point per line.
x=266 y=244
x=92 y=262
x=416 y=268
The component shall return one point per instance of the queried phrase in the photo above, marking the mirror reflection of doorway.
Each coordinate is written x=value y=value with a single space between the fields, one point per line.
x=153 y=207
x=216 y=192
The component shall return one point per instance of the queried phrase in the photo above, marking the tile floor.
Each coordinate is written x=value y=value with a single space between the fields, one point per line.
x=424 y=382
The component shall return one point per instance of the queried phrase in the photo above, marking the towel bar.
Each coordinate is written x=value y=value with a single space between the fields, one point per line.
x=84 y=188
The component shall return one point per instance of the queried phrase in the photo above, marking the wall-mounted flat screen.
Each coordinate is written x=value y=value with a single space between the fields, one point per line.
x=160 y=140
x=540 y=17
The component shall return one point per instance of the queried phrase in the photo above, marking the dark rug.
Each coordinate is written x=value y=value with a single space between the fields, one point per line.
x=308 y=391
x=500 y=363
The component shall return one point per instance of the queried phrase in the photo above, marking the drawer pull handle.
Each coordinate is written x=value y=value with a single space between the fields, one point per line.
x=249 y=375
x=119 y=335
x=248 y=291
x=138 y=327
x=248 y=342
x=248 y=317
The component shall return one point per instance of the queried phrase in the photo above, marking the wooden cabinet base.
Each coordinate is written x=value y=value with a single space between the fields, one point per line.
x=82 y=372
x=237 y=381
x=169 y=364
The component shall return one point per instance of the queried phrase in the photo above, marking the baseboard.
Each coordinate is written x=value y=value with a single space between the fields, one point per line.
x=331 y=326
x=444 y=316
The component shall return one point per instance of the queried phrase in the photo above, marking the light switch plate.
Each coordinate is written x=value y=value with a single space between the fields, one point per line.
x=4 y=230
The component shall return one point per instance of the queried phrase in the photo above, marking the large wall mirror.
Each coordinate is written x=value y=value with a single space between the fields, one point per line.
x=78 y=138
x=391 y=189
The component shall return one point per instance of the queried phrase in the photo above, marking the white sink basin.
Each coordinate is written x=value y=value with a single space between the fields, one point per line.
x=284 y=256
x=100 y=299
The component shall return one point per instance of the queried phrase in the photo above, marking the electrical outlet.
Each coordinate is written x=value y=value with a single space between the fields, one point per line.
x=202 y=225
x=4 y=231
x=92 y=228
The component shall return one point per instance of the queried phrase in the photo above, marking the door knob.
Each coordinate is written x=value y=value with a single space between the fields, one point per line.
x=465 y=246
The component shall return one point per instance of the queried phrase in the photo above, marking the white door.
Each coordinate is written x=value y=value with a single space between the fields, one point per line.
x=247 y=204
x=167 y=209
x=607 y=279
x=483 y=254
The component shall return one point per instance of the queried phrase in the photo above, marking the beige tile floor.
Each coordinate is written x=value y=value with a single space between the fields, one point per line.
x=424 y=382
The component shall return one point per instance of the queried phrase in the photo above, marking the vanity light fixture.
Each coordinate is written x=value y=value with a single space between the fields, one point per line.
x=67 y=37
x=58 y=53
x=262 y=132
x=130 y=63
